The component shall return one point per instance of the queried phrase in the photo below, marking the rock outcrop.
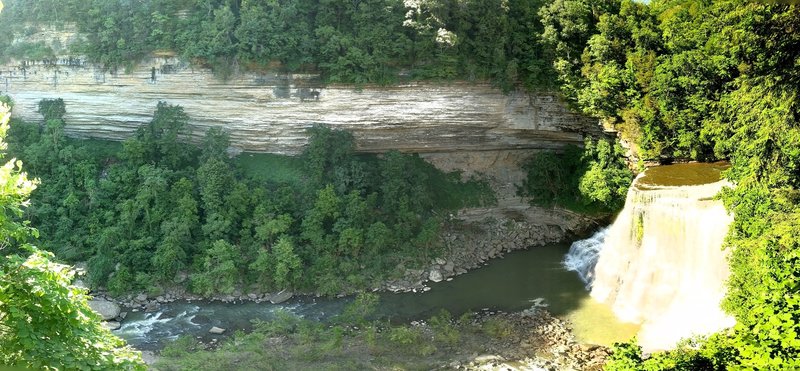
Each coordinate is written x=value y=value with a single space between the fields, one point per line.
x=269 y=112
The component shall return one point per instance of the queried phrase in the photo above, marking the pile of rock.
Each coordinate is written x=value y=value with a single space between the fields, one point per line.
x=537 y=341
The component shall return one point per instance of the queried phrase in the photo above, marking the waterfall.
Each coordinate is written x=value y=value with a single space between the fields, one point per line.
x=661 y=263
x=582 y=256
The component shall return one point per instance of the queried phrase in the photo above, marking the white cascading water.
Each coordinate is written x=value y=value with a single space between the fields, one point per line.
x=583 y=254
x=661 y=263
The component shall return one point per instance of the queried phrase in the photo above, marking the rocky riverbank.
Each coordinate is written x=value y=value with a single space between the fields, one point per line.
x=528 y=340
x=539 y=341
x=474 y=236
x=471 y=239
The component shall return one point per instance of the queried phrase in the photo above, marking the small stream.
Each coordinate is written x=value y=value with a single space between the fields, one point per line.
x=515 y=282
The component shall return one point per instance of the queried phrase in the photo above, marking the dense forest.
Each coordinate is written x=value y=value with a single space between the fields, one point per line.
x=679 y=79
x=363 y=41
x=147 y=213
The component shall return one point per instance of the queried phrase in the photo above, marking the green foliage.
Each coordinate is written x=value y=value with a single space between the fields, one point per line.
x=361 y=42
x=29 y=51
x=551 y=176
x=288 y=267
x=330 y=221
x=707 y=80
x=404 y=336
x=48 y=325
x=594 y=177
x=360 y=309
x=607 y=178
x=219 y=272
x=497 y=328
x=52 y=109
x=444 y=330
x=45 y=322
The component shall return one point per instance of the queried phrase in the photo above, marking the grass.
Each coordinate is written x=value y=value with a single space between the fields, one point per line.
x=273 y=168
x=450 y=192
x=98 y=147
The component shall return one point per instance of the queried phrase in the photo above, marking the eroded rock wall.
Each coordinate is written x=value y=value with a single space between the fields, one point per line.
x=269 y=112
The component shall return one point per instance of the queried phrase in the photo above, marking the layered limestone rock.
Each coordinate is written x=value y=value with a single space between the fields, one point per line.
x=269 y=112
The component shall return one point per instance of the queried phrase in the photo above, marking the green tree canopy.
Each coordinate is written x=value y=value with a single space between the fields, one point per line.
x=45 y=321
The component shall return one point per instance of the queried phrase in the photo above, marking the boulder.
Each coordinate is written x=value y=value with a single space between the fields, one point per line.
x=141 y=297
x=151 y=307
x=106 y=309
x=449 y=266
x=435 y=276
x=281 y=297
x=149 y=357
x=112 y=325
x=79 y=283
x=180 y=277
x=216 y=330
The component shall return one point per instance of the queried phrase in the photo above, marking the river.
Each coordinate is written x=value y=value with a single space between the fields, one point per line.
x=515 y=282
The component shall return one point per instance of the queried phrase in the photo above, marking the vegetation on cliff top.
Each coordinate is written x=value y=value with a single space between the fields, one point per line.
x=373 y=41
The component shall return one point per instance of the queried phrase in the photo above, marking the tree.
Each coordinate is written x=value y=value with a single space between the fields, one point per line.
x=287 y=263
x=606 y=177
x=568 y=25
x=219 y=273
x=45 y=322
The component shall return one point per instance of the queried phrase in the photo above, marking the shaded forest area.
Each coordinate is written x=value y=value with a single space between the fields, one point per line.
x=361 y=41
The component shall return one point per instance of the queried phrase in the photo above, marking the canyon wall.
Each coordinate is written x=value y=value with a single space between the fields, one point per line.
x=269 y=112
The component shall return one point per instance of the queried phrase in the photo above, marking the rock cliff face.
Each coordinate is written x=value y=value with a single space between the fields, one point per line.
x=269 y=112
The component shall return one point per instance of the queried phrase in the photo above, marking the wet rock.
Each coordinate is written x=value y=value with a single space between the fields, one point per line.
x=216 y=330
x=122 y=316
x=106 y=309
x=151 y=307
x=435 y=276
x=200 y=320
x=589 y=347
x=281 y=297
x=112 y=325
x=449 y=266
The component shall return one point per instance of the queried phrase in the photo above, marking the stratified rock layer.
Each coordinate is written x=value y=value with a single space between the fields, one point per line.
x=269 y=112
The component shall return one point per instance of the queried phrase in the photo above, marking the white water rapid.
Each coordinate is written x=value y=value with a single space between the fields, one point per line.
x=661 y=264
